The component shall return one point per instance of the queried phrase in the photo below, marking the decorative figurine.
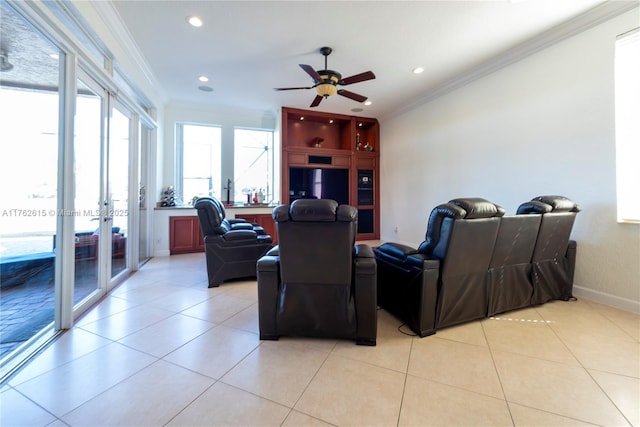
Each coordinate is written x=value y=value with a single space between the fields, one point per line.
x=228 y=188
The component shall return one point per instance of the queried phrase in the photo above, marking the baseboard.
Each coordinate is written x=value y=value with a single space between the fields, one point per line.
x=606 y=299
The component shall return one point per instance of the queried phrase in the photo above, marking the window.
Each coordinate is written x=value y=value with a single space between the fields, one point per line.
x=627 y=105
x=253 y=165
x=201 y=164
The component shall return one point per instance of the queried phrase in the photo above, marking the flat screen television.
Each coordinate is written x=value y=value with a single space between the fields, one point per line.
x=319 y=183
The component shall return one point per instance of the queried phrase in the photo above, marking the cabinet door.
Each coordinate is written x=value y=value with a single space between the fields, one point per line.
x=184 y=235
x=199 y=237
x=248 y=218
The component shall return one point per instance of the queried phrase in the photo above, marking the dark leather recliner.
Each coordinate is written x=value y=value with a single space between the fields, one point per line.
x=554 y=257
x=510 y=286
x=230 y=253
x=317 y=282
x=234 y=223
x=444 y=281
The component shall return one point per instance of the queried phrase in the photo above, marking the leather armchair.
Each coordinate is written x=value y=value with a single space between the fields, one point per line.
x=443 y=282
x=230 y=253
x=317 y=282
x=554 y=256
x=234 y=223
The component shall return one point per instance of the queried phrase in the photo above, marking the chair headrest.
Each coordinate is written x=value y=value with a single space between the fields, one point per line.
x=476 y=207
x=208 y=211
x=462 y=208
x=219 y=206
x=210 y=208
x=315 y=210
x=204 y=203
x=559 y=203
x=533 y=207
x=546 y=204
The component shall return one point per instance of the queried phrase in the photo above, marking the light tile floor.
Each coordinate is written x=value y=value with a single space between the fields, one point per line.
x=162 y=349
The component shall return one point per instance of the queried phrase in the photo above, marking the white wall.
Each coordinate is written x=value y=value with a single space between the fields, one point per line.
x=544 y=125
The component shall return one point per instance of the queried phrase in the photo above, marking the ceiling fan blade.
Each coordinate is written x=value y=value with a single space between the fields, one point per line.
x=313 y=73
x=292 y=88
x=352 y=95
x=316 y=101
x=367 y=75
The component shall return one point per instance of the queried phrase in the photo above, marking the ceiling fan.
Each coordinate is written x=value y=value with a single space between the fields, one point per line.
x=326 y=81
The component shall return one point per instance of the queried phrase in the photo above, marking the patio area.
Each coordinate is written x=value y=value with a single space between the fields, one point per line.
x=28 y=307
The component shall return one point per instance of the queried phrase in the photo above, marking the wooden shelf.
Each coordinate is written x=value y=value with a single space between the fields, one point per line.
x=318 y=140
x=367 y=135
x=306 y=129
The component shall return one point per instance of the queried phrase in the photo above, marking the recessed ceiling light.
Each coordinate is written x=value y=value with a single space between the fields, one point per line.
x=418 y=70
x=203 y=78
x=54 y=56
x=205 y=88
x=368 y=103
x=194 y=21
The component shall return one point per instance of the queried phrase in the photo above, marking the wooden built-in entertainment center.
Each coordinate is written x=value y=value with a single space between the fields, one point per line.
x=333 y=156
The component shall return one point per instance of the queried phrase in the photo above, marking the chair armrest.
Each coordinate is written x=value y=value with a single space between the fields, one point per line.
x=274 y=251
x=401 y=255
x=235 y=235
x=365 y=289
x=571 y=258
x=365 y=260
x=408 y=288
x=240 y=226
x=363 y=251
x=396 y=250
x=237 y=221
x=268 y=272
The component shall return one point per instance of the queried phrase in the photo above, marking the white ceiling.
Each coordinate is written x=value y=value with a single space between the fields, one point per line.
x=248 y=48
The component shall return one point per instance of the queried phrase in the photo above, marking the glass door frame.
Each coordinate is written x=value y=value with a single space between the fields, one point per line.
x=101 y=287
x=105 y=281
x=131 y=253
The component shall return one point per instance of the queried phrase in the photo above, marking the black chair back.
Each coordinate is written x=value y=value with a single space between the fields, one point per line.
x=316 y=239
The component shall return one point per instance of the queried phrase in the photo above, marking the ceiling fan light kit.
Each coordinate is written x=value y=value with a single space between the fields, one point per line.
x=326 y=81
x=329 y=83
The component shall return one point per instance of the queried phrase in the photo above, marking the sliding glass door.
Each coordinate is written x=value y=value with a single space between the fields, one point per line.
x=74 y=181
x=91 y=107
x=29 y=162
x=117 y=203
x=102 y=141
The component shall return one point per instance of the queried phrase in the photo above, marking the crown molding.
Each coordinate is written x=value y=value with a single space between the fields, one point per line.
x=110 y=16
x=589 y=19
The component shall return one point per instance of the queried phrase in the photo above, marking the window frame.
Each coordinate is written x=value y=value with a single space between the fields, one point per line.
x=627 y=126
x=179 y=129
x=270 y=194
